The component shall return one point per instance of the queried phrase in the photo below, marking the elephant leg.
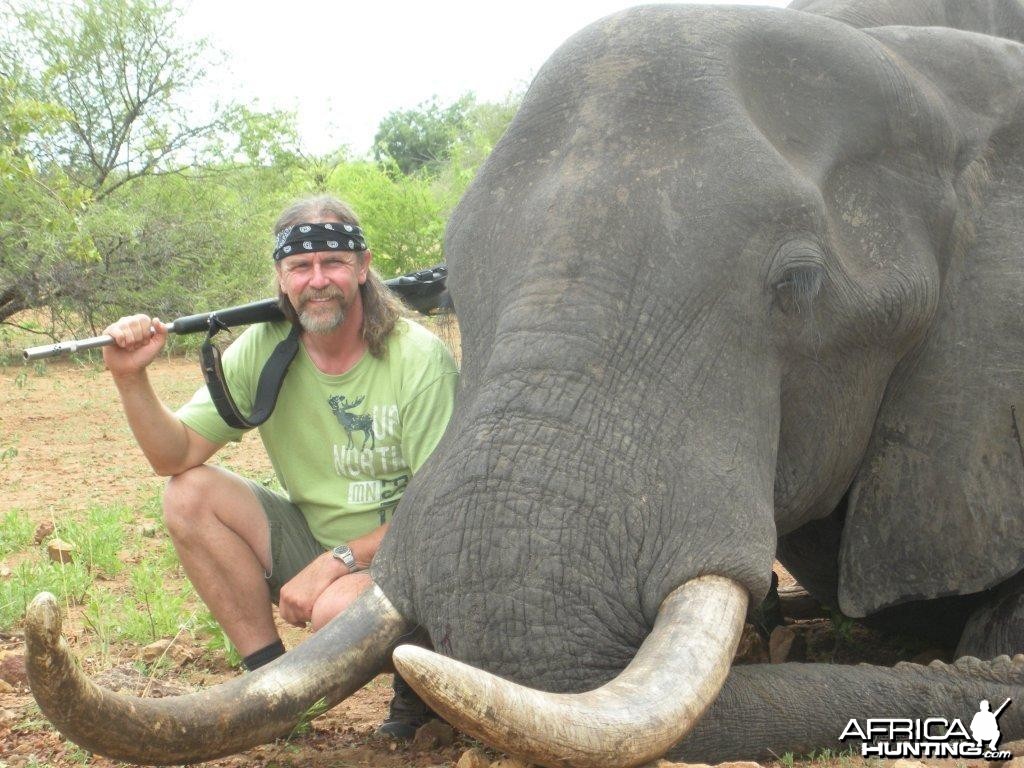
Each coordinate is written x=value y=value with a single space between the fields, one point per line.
x=767 y=710
x=996 y=627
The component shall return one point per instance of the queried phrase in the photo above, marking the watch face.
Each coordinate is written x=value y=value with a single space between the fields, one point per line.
x=344 y=554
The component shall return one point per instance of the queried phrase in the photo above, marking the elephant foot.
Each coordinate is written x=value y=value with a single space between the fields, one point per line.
x=996 y=627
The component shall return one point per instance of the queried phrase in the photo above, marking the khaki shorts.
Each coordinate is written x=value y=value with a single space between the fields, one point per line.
x=292 y=546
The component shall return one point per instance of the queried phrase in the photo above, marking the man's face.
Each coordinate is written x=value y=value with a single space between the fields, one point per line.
x=322 y=286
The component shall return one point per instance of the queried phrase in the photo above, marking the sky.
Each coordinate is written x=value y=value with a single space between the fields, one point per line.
x=342 y=66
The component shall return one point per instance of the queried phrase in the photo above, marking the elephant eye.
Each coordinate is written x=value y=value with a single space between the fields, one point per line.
x=798 y=277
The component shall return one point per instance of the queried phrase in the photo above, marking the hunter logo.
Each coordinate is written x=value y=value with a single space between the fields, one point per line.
x=935 y=737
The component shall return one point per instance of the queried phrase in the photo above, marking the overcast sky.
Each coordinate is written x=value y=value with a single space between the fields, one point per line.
x=342 y=66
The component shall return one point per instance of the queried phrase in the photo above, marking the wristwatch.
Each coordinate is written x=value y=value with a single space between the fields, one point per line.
x=343 y=553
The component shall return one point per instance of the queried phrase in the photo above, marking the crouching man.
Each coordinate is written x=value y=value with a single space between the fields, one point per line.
x=363 y=404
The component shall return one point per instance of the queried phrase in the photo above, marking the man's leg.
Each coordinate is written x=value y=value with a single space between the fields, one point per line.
x=222 y=537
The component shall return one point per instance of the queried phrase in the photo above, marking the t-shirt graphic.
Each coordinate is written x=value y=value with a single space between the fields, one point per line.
x=351 y=422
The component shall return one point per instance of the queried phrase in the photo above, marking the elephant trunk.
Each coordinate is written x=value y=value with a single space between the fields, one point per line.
x=675 y=675
x=249 y=710
x=767 y=710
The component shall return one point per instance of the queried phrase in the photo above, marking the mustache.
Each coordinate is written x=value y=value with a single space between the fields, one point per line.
x=313 y=294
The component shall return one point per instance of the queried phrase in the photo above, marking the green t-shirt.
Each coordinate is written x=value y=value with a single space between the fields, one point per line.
x=343 y=447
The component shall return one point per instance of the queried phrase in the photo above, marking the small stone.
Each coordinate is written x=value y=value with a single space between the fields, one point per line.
x=786 y=645
x=5 y=571
x=8 y=716
x=12 y=670
x=6 y=687
x=739 y=764
x=473 y=758
x=148 y=530
x=166 y=649
x=154 y=651
x=909 y=764
x=433 y=734
x=43 y=530
x=510 y=762
x=60 y=551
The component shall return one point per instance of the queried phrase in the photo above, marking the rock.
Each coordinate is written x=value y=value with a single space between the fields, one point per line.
x=164 y=648
x=5 y=571
x=12 y=670
x=510 y=762
x=43 y=530
x=60 y=551
x=148 y=530
x=739 y=764
x=909 y=764
x=473 y=758
x=786 y=645
x=433 y=735
x=154 y=651
x=6 y=687
x=751 y=649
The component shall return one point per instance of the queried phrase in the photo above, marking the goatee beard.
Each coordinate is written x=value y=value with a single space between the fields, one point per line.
x=320 y=320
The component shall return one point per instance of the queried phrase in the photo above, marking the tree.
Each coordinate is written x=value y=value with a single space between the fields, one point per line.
x=421 y=137
x=118 y=70
x=40 y=212
x=92 y=103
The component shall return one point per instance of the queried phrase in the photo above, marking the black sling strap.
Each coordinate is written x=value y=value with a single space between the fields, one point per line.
x=269 y=384
x=424 y=291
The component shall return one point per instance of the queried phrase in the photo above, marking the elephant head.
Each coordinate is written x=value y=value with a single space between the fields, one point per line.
x=726 y=269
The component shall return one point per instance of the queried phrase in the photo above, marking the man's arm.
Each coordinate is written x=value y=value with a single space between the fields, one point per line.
x=300 y=594
x=169 y=446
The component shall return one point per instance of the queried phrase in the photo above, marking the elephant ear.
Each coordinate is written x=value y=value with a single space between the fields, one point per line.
x=937 y=506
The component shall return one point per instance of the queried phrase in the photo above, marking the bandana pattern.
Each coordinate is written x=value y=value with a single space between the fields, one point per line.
x=312 y=238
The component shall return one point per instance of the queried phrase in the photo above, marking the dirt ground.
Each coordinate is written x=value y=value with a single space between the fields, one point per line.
x=65 y=447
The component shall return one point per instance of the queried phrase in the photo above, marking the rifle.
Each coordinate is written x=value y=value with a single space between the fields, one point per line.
x=423 y=291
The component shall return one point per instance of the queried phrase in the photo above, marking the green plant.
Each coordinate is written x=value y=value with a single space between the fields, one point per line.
x=160 y=612
x=69 y=582
x=15 y=528
x=99 y=538
x=217 y=639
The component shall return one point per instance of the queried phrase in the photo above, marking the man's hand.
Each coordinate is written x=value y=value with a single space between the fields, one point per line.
x=300 y=594
x=137 y=341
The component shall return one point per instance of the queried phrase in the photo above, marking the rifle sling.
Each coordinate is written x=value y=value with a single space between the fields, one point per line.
x=271 y=378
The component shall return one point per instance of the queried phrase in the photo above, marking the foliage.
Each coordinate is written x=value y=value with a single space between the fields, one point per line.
x=69 y=582
x=115 y=200
x=92 y=100
x=421 y=137
x=15 y=532
x=98 y=539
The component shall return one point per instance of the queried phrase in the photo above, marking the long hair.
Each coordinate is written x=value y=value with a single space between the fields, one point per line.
x=381 y=308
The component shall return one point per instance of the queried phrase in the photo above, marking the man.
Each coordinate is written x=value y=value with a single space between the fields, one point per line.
x=363 y=404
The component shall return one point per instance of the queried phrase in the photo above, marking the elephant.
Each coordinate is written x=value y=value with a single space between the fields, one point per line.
x=735 y=283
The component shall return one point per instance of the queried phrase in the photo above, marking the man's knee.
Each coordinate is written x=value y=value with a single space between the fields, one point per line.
x=186 y=500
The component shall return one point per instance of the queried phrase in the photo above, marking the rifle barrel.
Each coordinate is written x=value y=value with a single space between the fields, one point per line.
x=256 y=312
x=424 y=291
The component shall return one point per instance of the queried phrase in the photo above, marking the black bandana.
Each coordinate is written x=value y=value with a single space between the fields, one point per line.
x=310 y=238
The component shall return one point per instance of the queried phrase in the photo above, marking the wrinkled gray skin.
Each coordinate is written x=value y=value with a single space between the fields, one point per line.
x=737 y=276
x=735 y=281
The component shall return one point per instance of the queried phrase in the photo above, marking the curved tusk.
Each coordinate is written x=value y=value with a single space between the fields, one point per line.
x=251 y=709
x=635 y=718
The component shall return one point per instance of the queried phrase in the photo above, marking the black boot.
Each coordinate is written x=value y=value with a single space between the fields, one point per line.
x=407 y=713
